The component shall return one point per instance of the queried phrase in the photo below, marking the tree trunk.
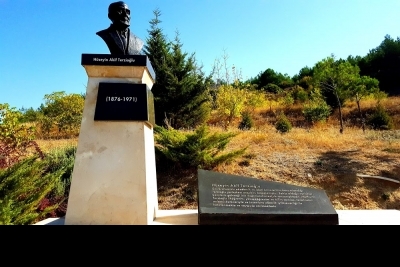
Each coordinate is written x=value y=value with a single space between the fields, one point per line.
x=361 y=116
x=340 y=112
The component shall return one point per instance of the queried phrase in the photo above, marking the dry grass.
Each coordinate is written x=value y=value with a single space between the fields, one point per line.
x=317 y=157
x=50 y=144
x=323 y=158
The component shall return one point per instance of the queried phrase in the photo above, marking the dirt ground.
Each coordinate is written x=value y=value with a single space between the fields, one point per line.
x=320 y=158
x=317 y=157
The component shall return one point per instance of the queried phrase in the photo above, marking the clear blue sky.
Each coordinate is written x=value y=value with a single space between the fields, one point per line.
x=42 y=40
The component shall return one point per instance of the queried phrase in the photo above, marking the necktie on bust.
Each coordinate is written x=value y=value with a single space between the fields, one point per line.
x=124 y=38
x=124 y=33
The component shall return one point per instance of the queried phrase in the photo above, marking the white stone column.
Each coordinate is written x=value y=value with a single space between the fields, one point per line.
x=114 y=177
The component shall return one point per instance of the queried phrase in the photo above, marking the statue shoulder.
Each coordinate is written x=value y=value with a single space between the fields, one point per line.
x=103 y=33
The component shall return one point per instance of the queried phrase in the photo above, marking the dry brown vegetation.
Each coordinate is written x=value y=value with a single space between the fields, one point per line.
x=317 y=157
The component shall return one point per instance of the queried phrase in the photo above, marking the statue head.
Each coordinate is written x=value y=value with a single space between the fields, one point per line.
x=119 y=14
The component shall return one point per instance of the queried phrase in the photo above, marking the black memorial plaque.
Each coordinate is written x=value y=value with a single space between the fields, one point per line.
x=232 y=199
x=119 y=60
x=124 y=102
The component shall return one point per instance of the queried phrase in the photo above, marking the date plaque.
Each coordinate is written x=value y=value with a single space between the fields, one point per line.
x=124 y=102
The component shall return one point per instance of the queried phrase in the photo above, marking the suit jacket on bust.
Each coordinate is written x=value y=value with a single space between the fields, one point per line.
x=115 y=45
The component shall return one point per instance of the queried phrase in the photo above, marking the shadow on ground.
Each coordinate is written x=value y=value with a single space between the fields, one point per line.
x=339 y=179
x=177 y=189
x=340 y=164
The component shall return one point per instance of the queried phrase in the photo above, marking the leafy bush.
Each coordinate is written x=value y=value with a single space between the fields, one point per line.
x=232 y=101
x=247 y=121
x=195 y=149
x=254 y=98
x=317 y=110
x=272 y=88
x=300 y=94
x=29 y=115
x=380 y=119
x=16 y=138
x=62 y=158
x=287 y=100
x=33 y=188
x=61 y=115
x=283 y=124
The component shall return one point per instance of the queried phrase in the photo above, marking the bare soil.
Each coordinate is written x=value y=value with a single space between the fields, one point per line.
x=333 y=169
x=315 y=156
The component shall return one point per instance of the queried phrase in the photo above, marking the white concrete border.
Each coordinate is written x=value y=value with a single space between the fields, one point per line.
x=346 y=217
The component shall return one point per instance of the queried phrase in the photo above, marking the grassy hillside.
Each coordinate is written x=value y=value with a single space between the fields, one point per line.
x=315 y=156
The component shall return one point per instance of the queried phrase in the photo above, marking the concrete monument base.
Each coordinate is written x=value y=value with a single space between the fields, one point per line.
x=114 y=177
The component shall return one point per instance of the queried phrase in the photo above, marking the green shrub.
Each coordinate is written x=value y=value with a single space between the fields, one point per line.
x=34 y=187
x=272 y=88
x=247 y=121
x=61 y=115
x=283 y=124
x=199 y=149
x=315 y=111
x=287 y=100
x=16 y=138
x=300 y=94
x=62 y=158
x=380 y=119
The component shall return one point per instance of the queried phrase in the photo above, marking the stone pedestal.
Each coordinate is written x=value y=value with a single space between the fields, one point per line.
x=114 y=176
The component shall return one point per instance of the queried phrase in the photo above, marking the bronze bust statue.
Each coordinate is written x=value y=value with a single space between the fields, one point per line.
x=118 y=36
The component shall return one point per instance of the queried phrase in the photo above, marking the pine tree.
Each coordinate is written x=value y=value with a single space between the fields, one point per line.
x=157 y=50
x=181 y=96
